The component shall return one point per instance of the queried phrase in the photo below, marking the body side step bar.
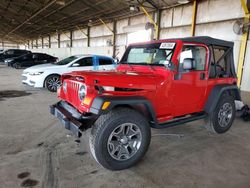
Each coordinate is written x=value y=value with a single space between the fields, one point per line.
x=180 y=121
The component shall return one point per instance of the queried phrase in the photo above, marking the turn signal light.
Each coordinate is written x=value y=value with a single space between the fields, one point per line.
x=105 y=105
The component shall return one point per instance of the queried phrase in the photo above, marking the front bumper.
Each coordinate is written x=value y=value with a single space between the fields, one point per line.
x=71 y=119
x=34 y=81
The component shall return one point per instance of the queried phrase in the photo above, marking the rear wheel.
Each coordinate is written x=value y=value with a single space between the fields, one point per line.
x=120 y=139
x=223 y=116
x=52 y=82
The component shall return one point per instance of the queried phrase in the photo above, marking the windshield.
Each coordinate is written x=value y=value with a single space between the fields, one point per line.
x=151 y=54
x=67 y=60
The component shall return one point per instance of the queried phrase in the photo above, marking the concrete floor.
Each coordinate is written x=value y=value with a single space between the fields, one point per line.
x=36 y=152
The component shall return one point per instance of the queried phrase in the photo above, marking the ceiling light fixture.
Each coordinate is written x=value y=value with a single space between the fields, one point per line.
x=134 y=8
x=183 y=1
x=61 y=2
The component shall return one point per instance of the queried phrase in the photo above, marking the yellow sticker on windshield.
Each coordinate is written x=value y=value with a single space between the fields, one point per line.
x=167 y=45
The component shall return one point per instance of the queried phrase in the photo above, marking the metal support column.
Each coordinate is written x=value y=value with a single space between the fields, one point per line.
x=158 y=14
x=49 y=41
x=42 y=43
x=88 y=35
x=36 y=43
x=194 y=18
x=243 y=45
x=59 y=40
x=114 y=39
x=71 y=39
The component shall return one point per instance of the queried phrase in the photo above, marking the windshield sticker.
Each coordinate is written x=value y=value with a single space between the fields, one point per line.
x=167 y=45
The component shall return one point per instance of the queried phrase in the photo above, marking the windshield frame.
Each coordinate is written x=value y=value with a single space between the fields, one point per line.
x=125 y=56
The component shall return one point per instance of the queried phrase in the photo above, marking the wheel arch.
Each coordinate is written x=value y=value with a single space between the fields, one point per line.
x=217 y=92
x=140 y=104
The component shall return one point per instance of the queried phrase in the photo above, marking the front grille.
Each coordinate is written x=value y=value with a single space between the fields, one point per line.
x=72 y=91
x=24 y=78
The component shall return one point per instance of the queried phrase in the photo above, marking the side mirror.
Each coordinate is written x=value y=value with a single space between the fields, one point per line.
x=116 y=61
x=188 y=64
x=75 y=65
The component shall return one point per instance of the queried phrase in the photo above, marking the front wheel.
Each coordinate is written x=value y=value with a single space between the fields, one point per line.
x=52 y=82
x=17 y=66
x=223 y=116
x=120 y=138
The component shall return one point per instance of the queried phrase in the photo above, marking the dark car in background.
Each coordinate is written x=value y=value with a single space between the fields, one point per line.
x=12 y=53
x=30 y=59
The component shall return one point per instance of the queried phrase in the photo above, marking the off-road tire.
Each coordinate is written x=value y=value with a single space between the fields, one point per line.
x=102 y=130
x=212 y=122
x=47 y=84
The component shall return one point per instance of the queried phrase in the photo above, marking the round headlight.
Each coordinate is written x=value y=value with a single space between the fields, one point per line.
x=82 y=92
x=65 y=87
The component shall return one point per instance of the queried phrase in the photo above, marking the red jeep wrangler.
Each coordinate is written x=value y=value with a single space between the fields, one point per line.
x=157 y=84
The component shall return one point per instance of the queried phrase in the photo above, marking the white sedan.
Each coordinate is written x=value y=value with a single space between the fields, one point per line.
x=48 y=75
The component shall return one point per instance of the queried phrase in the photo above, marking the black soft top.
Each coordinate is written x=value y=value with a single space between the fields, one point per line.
x=208 y=41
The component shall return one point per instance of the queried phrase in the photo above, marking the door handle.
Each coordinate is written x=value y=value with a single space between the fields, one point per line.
x=202 y=76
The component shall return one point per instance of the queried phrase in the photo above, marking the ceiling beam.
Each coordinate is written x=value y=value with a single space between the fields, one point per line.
x=69 y=17
x=31 y=17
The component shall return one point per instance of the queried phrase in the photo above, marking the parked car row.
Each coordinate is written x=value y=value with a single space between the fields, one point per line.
x=12 y=53
x=30 y=59
x=23 y=58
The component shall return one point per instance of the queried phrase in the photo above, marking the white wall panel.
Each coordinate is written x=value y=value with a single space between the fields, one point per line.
x=100 y=41
x=98 y=51
x=100 y=30
x=120 y=24
x=166 y=18
x=175 y=32
x=54 y=38
x=182 y=15
x=138 y=20
x=121 y=39
x=80 y=43
x=79 y=34
x=64 y=36
x=221 y=30
x=215 y=10
x=65 y=52
x=54 y=44
x=65 y=44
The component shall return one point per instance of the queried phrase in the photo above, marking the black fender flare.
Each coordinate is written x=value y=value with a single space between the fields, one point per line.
x=130 y=101
x=217 y=92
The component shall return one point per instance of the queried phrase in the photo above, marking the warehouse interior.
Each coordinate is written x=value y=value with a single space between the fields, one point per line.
x=34 y=152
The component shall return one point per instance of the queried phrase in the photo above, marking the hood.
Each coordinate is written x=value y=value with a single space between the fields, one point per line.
x=41 y=67
x=9 y=59
x=119 y=79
